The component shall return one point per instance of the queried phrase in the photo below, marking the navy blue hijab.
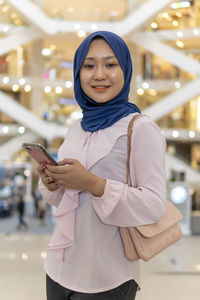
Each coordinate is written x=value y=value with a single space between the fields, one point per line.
x=102 y=115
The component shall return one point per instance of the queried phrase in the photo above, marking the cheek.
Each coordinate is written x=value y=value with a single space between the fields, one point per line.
x=118 y=78
x=84 y=78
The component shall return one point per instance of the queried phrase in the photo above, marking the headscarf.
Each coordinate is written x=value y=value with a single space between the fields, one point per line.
x=97 y=115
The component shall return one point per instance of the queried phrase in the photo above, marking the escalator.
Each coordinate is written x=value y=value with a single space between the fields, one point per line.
x=29 y=120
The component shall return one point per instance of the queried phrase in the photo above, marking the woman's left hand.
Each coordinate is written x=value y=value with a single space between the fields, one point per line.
x=73 y=175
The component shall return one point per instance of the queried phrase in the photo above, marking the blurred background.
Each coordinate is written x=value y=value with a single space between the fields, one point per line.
x=38 y=40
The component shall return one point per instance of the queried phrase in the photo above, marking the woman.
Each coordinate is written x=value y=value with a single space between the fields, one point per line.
x=85 y=258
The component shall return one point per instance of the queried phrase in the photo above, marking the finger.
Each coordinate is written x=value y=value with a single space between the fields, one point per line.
x=53 y=186
x=56 y=177
x=40 y=168
x=66 y=161
x=57 y=170
x=48 y=180
x=43 y=174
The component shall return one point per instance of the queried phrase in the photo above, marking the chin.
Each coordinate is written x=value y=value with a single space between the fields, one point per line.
x=102 y=101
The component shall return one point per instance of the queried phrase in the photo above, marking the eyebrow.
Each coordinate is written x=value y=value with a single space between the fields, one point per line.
x=107 y=57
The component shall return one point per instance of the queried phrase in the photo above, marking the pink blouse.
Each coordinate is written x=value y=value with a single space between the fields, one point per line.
x=85 y=253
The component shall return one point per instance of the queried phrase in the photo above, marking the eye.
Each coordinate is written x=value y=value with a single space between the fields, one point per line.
x=111 y=65
x=88 y=66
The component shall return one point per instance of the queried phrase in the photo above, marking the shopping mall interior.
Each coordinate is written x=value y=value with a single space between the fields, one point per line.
x=38 y=39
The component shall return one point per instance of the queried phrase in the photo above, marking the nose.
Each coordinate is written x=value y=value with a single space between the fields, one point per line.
x=99 y=73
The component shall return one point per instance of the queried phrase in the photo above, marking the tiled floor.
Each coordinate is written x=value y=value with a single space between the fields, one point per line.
x=172 y=275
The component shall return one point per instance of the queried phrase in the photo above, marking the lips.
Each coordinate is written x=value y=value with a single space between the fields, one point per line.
x=100 y=88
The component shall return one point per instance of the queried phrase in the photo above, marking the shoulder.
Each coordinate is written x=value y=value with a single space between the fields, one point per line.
x=74 y=132
x=144 y=121
x=74 y=128
x=146 y=128
x=75 y=125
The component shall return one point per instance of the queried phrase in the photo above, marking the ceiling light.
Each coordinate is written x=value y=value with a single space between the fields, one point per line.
x=175 y=133
x=191 y=134
x=81 y=33
x=5 y=80
x=68 y=84
x=5 y=129
x=179 y=14
x=24 y=256
x=22 y=81
x=145 y=85
x=180 y=44
x=179 y=33
x=154 y=25
x=27 y=88
x=94 y=27
x=177 y=84
x=175 y=23
x=21 y=130
x=46 y=52
x=140 y=91
x=6 y=28
x=152 y=92
x=196 y=31
x=47 y=89
x=166 y=16
x=77 y=26
x=15 y=87
x=180 y=4
x=43 y=254
x=58 y=90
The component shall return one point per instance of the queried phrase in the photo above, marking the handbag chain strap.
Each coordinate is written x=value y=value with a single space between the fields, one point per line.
x=129 y=135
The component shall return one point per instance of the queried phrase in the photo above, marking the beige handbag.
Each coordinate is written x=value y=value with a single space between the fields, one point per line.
x=144 y=242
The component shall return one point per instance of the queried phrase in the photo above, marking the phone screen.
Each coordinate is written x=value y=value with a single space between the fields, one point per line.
x=39 y=154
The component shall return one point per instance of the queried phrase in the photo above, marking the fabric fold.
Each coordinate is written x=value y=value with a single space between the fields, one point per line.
x=64 y=232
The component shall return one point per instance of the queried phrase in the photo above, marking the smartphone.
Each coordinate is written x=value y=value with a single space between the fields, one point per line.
x=39 y=154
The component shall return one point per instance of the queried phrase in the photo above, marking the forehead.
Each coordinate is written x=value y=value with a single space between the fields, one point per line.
x=99 y=48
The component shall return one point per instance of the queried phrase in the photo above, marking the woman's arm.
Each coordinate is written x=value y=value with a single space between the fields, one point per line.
x=72 y=174
x=122 y=205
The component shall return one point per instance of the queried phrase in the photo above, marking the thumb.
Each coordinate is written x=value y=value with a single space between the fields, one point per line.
x=66 y=161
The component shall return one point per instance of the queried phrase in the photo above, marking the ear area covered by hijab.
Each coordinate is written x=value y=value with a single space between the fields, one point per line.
x=98 y=116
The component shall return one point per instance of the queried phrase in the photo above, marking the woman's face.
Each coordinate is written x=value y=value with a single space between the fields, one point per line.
x=101 y=75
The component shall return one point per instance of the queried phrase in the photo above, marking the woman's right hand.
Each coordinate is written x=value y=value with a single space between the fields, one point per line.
x=49 y=183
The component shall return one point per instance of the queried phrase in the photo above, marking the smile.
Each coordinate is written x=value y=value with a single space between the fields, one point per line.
x=100 y=88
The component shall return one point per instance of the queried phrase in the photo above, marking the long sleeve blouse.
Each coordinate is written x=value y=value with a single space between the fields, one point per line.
x=85 y=252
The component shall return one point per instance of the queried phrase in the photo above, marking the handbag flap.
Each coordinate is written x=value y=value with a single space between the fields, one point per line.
x=171 y=217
